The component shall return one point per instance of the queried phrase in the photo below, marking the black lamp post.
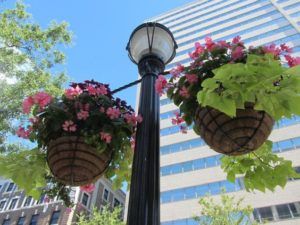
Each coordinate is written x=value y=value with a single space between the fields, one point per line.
x=151 y=46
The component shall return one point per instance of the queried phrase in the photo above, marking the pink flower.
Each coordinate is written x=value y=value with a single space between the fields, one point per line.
x=69 y=126
x=199 y=49
x=105 y=137
x=132 y=119
x=42 y=99
x=177 y=71
x=113 y=113
x=292 y=61
x=34 y=120
x=178 y=120
x=286 y=48
x=160 y=84
x=102 y=90
x=272 y=49
x=210 y=45
x=223 y=44
x=132 y=143
x=237 y=40
x=21 y=132
x=191 y=78
x=184 y=92
x=83 y=115
x=237 y=53
x=88 y=188
x=91 y=90
x=72 y=92
x=27 y=104
x=102 y=109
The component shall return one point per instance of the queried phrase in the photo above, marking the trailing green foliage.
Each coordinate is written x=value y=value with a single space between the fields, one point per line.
x=27 y=168
x=262 y=169
x=261 y=81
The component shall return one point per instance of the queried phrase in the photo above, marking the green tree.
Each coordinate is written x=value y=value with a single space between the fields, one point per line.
x=228 y=211
x=103 y=217
x=28 y=56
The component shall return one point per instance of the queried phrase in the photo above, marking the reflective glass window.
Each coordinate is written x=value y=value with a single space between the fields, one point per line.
x=283 y=211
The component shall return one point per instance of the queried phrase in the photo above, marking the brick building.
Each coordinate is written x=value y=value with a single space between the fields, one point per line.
x=18 y=209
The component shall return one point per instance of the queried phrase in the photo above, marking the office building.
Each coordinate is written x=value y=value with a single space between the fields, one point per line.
x=189 y=169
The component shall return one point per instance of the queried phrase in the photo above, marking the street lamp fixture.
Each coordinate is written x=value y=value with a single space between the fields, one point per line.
x=151 y=46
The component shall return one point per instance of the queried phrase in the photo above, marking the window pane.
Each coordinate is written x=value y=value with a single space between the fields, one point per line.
x=285 y=145
x=214 y=188
x=177 y=195
x=188 y=166
x=210 y=161
x=283 y=211
x=6 y=222
x=54 y=218
x=190 y=193
x=2 y=204
x=199 y=164
x=21 y=221
x=202 y=190
x=256 y=215
x=176 y=169
x=34 y=220
x=85 y=199
x=266 y=214
x=296 y=213
x=10 y=187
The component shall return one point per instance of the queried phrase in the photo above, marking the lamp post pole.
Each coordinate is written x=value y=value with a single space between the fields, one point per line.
x=151 y=46
x=144 y=200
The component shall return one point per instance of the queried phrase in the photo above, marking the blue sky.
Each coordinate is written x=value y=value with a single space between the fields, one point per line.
x=101 y=31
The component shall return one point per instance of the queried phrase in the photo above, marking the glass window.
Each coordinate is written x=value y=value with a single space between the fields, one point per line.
x=266 y=214
x=292 y=6
x=116 y=202
x=34 y=219
x=187 y=166
x=21 y=220
x=285 y=145
x=54 y=218
x=13 y=203
x=189 y=193
x=214 y=188
x=294 y=209
x=256 y=215
x=2 y=204
x=296 y=142
x=41 y=200
x=199 y=164
x=166 y=197
x=6 y=222
x=228 y=186
x=105 y=194
x=85 y=199
x=176 y=168
x=283 y=211
x=27 y=201
x=164 y=171
x=210 y=161
x=202 y=190
x=10 y=187
x=177 y=195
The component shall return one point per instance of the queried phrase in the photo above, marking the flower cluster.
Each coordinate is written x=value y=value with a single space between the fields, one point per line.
x=185 y=81
x=87 y=110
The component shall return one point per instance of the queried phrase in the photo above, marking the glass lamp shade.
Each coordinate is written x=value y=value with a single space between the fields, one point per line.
x=151 y=39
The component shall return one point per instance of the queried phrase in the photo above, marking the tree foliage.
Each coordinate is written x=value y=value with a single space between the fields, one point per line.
x=103 y=217
x=228 y=212
x=28 y=56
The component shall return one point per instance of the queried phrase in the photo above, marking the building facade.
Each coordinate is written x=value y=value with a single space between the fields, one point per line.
x=18 y=209
x=189 y=169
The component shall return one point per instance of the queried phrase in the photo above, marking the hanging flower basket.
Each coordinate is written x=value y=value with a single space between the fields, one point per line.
x=233 y=94
x=242 y=134
x=73 y=162
x=86 y=133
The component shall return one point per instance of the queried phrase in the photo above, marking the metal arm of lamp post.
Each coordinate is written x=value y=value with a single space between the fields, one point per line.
x=151 y=46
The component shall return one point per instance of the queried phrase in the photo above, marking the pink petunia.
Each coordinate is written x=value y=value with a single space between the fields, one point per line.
x=27 y=104
x=91 y=90
x=102 y=90
x=69 y=125
x=21 y=132
x=88 y=188
x=286 y=48
x=177 y=71
x=82 y=115
x=191 y=78
x=73 y=92
x=42 y=99
x=178 y=119
x=223 y=44
x=209 y=44
x=105 y=137
x=292 y=61
x=272 y=49
x=113 y=113
x=132 y=119
x=237 y=53
x=184 y=92
x=237 y=40
x=161 y=84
